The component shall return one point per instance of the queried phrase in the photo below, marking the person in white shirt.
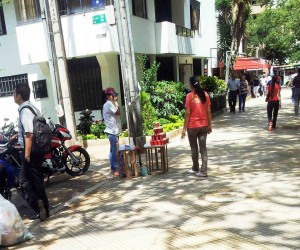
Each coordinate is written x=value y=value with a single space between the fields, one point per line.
x=111 y=116
x=263 y=82
x=233 y=86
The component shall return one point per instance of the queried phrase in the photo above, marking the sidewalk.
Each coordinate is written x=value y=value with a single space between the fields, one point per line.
x=251 y=199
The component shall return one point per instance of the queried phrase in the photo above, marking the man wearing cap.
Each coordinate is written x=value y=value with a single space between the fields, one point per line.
x=111 y=116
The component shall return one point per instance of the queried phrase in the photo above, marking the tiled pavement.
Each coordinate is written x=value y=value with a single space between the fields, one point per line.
x=251 y=199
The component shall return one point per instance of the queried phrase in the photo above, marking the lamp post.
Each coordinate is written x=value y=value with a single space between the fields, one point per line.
x=229 y=54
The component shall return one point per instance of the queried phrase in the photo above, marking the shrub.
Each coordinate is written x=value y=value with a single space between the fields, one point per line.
x=212 y=84
x=89 y=137
x=86 y=120
x=97 y=129
x=168 y=98
x=147 y=112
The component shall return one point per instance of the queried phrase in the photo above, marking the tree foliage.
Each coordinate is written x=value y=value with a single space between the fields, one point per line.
x=231 y=25
x=276 y=32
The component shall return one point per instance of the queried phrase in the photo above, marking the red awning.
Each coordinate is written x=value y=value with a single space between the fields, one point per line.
x=244 y=63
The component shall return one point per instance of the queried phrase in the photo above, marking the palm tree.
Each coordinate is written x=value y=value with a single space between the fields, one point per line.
x=233 y=15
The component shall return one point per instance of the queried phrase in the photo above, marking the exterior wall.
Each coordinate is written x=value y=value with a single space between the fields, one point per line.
x=23 y=53
x=81 y=37
x=10 y=64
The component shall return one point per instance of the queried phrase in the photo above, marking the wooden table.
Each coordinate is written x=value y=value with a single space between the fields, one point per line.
x=157 y=158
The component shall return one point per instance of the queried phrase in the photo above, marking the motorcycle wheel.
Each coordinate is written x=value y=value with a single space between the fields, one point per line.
x=84 y=162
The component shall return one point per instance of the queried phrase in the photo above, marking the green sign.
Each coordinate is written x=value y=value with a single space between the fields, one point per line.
x=99 y=19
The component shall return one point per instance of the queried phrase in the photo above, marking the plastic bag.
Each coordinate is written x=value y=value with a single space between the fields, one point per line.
x=12 y=228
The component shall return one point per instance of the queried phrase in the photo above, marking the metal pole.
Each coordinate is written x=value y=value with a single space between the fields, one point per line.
x=127 y=56
x=54 y=22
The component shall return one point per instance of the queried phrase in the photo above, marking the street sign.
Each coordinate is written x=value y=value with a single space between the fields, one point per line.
x=99 y=19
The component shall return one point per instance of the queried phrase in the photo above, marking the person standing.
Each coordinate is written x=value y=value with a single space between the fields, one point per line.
x=233 y=87
x=31 y=177
x=273 y=98
x=243 y=92
x=197 y=124
x=111 y=116
x=296 y=86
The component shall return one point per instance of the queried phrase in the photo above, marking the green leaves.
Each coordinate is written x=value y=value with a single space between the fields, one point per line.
x=276 y=32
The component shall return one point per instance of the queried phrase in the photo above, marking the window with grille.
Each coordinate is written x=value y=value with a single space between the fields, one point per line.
x=8 y=84
x=27 y=10
x=139 y=8
x=67 y=7
x=2 y=21
x=85 y=83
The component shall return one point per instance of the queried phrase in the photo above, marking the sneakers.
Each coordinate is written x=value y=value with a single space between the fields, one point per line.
x=191 y=171
x=43 y=213
x=199 y=174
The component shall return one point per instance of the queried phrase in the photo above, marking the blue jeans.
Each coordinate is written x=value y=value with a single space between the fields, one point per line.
x=113 y=139
x=242 y=101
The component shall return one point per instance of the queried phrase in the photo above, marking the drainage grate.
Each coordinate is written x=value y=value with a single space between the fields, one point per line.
x=224 y=196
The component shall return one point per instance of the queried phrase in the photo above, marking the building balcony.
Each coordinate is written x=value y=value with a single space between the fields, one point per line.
x=173 y=39
x=84 y=34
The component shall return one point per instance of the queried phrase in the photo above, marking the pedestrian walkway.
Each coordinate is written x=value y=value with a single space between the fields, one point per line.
x=251 y=199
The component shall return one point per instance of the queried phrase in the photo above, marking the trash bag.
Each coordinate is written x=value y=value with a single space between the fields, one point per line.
x=12 y=228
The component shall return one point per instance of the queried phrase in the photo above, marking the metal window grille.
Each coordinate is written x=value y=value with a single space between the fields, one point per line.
x=8 y=84
x=182 y=31
x=85 y=83
x=28 y=11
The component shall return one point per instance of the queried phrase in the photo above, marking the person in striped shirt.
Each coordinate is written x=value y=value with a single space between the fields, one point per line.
x=243 y=92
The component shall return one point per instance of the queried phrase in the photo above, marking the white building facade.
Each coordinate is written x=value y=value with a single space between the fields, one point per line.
x=180 y=34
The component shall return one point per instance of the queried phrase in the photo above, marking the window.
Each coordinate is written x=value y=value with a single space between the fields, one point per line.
x=85 y=83
x=2 y=21
x=8 y=84
x=27 y=10
x=39 y=89
x=67 y=7
x=195 y=16
x=139 y=8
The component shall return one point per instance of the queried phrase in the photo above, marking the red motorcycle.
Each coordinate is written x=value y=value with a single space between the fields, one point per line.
x=74 y=160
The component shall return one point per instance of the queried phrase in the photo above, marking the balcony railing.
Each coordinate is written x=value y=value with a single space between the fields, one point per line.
x=182 y=31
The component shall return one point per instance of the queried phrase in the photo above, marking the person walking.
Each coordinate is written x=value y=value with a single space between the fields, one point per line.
x=243 y=92
x=197 y=124
x=111 y=115
x=255 y=87
x=31 y=177
x=273 y=98
x=263 y=83
x=233 y=87
x=296 y=86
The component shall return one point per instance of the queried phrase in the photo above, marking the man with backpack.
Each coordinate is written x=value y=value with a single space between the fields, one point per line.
x=31 y=177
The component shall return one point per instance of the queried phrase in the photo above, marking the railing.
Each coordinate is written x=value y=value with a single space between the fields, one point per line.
x=182 y=31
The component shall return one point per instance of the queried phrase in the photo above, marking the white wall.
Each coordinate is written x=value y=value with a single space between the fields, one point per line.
x=10 y=64
x=81 y=36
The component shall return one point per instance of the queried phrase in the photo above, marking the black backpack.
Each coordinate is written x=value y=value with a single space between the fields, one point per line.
x=42 y=133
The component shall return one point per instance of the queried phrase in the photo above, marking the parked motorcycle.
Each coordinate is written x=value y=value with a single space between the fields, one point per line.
x=73 y=160
x=10 y=165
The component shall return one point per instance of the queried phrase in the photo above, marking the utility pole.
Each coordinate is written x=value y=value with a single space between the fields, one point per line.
x=59 y=73
x=128 y=66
